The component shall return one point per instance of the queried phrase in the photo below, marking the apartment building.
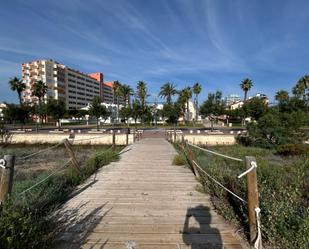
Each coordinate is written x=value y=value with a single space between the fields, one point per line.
x=75 y=88
x=107 y=92
x=48 y=71
x=81 y=88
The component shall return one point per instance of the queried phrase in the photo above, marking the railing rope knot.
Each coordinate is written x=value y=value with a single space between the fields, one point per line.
x=253 y=166
x=2 y=163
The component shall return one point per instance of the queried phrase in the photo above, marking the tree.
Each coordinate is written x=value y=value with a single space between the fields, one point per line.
x=17 y=85
x=142 y=94
x=246 y=85
x=126 y=113
x=56 y=108
x=283 y=98
x=116 y=94
x=172 y=112
x=184 y=97
x=275 y=128
x=39 y=89
x=97 y=110
x=126 y=91
x=213 y=107
x=197 y=88
x=301 y=89
x=167 y=91
x=13 y=113
x=255 y=108
x=136 y=111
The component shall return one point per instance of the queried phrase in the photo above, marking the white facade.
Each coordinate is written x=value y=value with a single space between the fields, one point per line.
x=76 y=89
x=236 y=105
x=192 y=111
x=231 y=99
x=2 y=106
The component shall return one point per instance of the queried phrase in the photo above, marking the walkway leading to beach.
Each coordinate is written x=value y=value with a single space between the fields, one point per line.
x=144 y=202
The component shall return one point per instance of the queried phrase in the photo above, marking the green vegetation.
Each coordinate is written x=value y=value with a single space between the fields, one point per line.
x=97 y=110
x=283 y=186
x=246 y=85
x=56 y=109
x=179 y=160
x=25 y=220
x=17 y=85
x=213 y=107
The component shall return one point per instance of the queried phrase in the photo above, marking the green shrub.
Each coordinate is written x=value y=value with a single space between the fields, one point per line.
x=292 y=149
x=283 y=188
x=179 y=160
x=273 y=129
x=22 y=228
x=25 y=221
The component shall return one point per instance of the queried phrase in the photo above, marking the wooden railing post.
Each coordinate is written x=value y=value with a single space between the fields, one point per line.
x=253 y=199
x=127 y=137
x=174 y=133
x=114 y=139
x=6 y=182
x=71 y=155
x=191 y=159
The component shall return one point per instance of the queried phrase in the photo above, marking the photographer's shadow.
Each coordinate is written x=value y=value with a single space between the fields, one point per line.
x=197 y=232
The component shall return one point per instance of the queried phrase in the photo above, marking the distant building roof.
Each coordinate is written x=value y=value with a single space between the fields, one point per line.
x=110 y=83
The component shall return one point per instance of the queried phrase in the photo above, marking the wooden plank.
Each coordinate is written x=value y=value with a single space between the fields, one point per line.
x=145 y=199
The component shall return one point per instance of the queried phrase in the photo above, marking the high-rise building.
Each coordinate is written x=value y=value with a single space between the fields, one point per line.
x=75 y=88
x=107 y=92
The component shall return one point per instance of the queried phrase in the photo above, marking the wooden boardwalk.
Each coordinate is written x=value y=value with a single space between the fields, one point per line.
x=143 y=202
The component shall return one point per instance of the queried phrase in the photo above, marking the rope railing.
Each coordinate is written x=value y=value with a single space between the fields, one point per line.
x=40 y=151
x=218 y=183
x=57 y=145
x=216 y=153
x=46 y=178
x=254 y=212
x=85 y=139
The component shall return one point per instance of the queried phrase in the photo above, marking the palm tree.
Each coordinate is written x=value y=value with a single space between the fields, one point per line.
x=302 y=86
x=167 y=91
x=197 y=88
x=282 y=96
x=184 y=97
x=116 y=93
x=246 y=85
x=142 y=95
x=126 y=91
x=39 y=89
x=17 y=85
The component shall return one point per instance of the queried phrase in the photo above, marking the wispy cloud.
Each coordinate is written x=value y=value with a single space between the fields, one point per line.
x=218 y=42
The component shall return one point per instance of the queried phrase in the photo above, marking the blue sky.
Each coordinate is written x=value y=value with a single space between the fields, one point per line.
x=214 y=42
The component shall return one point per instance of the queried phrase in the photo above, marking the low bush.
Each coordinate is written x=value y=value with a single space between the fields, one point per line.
x=25 y=219
x=292 y=149
x=283 y=188
x=179 y=160
x=273 y=129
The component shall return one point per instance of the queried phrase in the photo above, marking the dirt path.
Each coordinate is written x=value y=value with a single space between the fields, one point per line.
x=144 y=202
